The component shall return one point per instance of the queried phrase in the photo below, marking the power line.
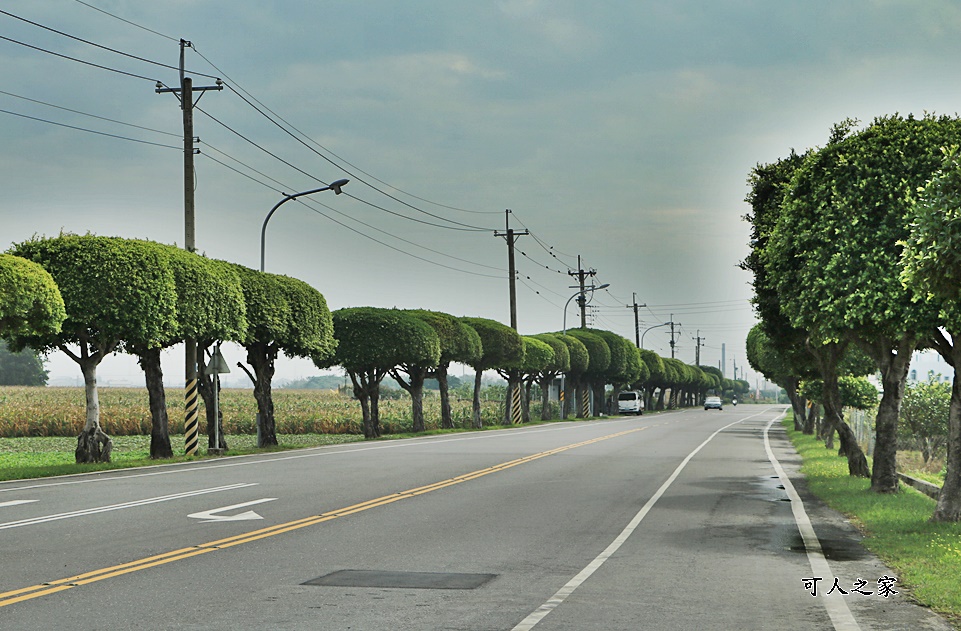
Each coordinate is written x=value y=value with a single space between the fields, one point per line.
x=353 y=175
x=80 y=61
x=103 y=118
x=342 y=159
x=173 y=39
x=100 y=46
x=309 y=203
x=89 y=131
x=299 y=170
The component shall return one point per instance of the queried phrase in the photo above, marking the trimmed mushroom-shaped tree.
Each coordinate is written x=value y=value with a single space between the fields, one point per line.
x=283 y=315
x=210 y=305
x=370 y=343
x=656 y=378
x=116 y=292
x=580 y=360
x=624 y=369
x=561 y=363
x=600 y=360
x=458 y=343
x=30 y=301
x=537 y=356
x=410 y=373
x=502 y=346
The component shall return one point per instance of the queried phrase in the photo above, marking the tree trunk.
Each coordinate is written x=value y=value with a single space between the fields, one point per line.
x=812 y=421
x=415 y=388
x=828 y=356
x=361 y=392
x=261 y=357
x=948 y=508
x=417 y=406
x=93 y=445
x=446 y=418
x=373 y=393
x=528 y=385
x=790 y=387
x=660 y=399
x=894 y=372
x=159 y=433
x=545 y=384
x=477 y=423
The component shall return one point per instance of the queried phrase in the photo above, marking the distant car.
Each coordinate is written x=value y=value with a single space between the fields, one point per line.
x=713 y=403
x=630 y=402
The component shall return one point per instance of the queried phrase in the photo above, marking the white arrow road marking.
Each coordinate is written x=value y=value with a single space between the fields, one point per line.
x=16 y=503
x=211 y=515
x=113 y=507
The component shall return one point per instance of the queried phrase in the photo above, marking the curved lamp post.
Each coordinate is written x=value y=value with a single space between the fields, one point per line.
x=333 y=186
x=653 y=327
x=582 y=292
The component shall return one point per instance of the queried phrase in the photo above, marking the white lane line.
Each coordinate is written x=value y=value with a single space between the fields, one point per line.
x=564 y=592
x=837 y=609
x=103 y=509
x=16 y=503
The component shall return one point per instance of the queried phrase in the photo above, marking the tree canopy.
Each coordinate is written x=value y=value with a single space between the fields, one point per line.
x=30 y=302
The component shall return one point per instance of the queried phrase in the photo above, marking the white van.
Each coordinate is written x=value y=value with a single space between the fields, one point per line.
x=630 y=402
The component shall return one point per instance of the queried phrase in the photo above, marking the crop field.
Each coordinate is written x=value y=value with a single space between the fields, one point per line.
x=39 y=411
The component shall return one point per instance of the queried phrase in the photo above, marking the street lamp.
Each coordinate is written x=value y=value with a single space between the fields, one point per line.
x=582 y=292
x=653 y=327
x=333 y=186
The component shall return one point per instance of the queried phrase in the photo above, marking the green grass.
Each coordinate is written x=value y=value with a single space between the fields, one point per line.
x=926 y=556
x=40 y=457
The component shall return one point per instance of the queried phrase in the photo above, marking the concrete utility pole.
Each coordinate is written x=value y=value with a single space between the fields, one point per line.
x=673 y=324
x=697 y=349
x=186 y=95
x=637 y=321
x=581 y=299
x=510 y=236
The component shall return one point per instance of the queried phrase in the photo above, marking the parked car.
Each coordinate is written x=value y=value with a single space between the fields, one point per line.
x=630 y=402
x=713 y=403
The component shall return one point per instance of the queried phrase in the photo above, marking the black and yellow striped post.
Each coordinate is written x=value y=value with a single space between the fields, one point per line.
x=516 y=405
x=586 y=403
x=191 y=423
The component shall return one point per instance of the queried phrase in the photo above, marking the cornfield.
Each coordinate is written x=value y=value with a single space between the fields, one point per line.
x=37 y=411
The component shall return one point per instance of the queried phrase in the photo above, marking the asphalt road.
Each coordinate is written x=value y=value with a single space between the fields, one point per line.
x=680 y=520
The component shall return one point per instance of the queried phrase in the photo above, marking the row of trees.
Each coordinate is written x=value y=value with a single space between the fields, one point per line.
x=854 y=255
x=414 y=345
x=90 y=296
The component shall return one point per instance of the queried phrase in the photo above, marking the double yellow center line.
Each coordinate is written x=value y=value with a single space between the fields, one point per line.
x=45 y=589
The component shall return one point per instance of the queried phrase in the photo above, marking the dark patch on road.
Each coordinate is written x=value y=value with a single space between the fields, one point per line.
x=401 y=580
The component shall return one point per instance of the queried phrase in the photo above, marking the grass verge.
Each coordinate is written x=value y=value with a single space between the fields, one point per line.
x=926 y=556
x=45 y=456
x=27 y=457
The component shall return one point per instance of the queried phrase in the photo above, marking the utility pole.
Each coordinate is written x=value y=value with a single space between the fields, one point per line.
x=510 y=236
x=697 y=349
x=581 y=299
x=186 y=95
x=637 y=321
x=673 y=323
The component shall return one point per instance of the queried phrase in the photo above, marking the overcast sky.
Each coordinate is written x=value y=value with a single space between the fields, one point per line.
x=620 y=132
